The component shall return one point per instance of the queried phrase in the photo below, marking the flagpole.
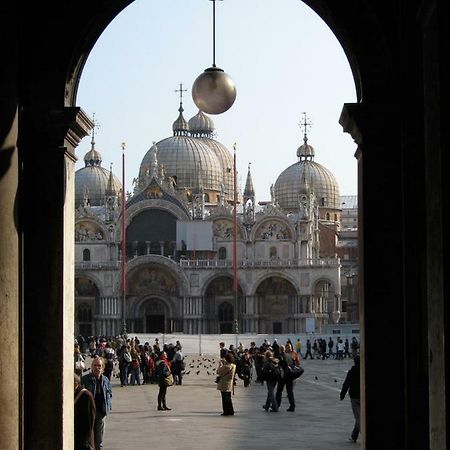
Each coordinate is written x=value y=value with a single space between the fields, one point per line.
x=235 y=280
x=124 y=249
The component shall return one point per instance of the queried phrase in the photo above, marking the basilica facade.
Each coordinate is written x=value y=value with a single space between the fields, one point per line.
x=182 y=233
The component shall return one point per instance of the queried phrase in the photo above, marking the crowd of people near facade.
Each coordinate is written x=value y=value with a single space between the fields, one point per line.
x=143 y=363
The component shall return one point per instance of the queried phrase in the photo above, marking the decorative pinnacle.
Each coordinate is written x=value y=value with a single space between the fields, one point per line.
x=306 y=125
x=181 y=90
x=123 y=146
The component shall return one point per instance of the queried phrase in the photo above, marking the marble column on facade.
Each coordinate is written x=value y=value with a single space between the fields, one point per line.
x=48 y=160
x=161 y=246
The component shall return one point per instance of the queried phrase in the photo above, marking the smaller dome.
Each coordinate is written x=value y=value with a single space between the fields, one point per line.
x=305 y=150
x=180 y=126
x=92 y=158
x=201 y=125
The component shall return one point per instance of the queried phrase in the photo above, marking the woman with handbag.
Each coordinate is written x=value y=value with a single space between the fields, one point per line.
x=165 y=379
x=225 y=383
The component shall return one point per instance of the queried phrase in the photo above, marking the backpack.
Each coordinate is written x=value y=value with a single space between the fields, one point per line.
x=271 y=373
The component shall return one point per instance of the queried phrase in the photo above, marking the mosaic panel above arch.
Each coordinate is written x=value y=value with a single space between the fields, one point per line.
x=275 y=285
x=88 y=232
x=223 y=229
x=152 y=279
x=85 y=287
x=273 y=230
x=221 y=286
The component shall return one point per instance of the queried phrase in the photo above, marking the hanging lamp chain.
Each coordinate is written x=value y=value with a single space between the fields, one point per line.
x=214 y=31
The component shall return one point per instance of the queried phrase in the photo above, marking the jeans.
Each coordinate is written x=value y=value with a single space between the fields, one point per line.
x=124 y=375
x=99 y=428
x=162 y=395
x=289 y=389
x=356 y=407
x=227 y=404
x=271 y=400
x=135 y=376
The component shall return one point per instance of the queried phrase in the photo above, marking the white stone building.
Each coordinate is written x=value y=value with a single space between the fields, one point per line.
x=179 y=243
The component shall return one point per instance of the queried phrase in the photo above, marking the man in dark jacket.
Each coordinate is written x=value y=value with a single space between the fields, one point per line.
x=352 y=386
x=285 y=360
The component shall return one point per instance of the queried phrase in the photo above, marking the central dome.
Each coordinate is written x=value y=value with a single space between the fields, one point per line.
x=193 y=158
x=189 y=161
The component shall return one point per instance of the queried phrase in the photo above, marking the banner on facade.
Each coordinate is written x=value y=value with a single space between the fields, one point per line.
x=310 y=324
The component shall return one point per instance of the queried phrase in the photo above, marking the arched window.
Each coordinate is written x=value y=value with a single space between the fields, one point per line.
x=222 y=253
x=218 y=198
x=273 y=253
x=86 y=254
x=206 y=198
x=328 y=216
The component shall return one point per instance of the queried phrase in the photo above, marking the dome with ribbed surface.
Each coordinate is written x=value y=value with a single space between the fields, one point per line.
x=226 y=160
x=92 y=181
x=189 y=161
x=291 y=183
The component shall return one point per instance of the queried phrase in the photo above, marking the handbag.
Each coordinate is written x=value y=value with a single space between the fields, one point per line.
x=295 y=371
x=79 y=365
x=168 y=380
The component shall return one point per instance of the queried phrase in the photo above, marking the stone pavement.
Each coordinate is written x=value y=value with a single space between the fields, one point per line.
x=320 y=421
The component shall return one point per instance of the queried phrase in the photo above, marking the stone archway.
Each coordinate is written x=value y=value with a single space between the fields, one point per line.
x=155 y=316
x=225 y=306
x=275 y=296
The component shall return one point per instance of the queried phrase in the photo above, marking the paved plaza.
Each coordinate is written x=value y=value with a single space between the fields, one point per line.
x=320 y=421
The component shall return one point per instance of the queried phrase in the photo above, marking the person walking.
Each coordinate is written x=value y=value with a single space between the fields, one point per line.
x=308 y=350
x=271 y=374
x=84 y=417
x=178 y=365
x=352 y=386
x=100 y=387
x=285 y=360
x=225 y=383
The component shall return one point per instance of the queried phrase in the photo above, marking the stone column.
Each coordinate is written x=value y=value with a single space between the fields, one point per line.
x=10 y=365
x=47 y=152
x=377 y=129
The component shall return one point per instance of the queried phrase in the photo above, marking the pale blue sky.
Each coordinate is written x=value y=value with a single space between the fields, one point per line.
x=282 y=57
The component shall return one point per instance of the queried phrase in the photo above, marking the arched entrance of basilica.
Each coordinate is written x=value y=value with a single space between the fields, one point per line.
x=275 y=297
x=224 y=307
x=154 y=316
